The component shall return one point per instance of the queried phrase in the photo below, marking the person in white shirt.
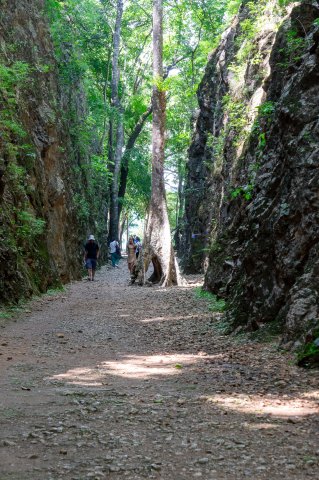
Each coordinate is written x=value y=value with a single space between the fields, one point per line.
x=115 y=253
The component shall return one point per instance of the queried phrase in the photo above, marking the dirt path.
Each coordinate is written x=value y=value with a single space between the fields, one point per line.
x=112 y=381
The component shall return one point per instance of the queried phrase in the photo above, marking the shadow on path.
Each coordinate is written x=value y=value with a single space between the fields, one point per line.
x=112 y=381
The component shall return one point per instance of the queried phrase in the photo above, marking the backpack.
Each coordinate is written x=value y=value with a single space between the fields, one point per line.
x=118 y=250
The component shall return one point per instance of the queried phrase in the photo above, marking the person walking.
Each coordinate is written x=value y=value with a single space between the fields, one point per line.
x=91 y=255
x=131 y=258
x=115 y=252
x=138 y=244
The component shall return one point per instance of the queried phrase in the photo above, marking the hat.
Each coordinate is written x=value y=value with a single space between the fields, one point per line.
x=91 y=237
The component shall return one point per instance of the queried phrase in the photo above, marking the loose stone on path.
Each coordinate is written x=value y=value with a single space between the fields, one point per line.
x=139 y=383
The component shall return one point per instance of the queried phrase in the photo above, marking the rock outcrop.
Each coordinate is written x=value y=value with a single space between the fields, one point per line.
x=41 y=235
x=253 y=213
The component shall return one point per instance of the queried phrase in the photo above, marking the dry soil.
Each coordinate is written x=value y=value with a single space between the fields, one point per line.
x=113 y=381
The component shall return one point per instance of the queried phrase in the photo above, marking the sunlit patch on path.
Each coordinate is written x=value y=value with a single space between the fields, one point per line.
x=173 y=317
x=135 y=367
x=258 y=404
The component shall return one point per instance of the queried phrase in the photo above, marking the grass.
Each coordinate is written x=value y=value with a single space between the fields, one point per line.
x=222 y=327
x=267 y=333
x=215 y=304
x=54 y=291
x=308 y=354
x=11 y=311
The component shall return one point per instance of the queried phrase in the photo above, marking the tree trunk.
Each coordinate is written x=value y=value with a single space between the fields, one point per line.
x=127 y=227
x=122 y=228
x=157 y=247
x=179 y=210
x=114 y=200
x=116 y=125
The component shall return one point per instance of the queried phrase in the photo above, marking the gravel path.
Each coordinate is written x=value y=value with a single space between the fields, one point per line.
x=111 y=381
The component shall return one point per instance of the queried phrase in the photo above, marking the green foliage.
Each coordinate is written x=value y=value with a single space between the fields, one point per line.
x=265 y=116
x=171 y=198
x=310 y=350
x=284 y=3
x=216 y=145
x=215 y=304
x=162 y=85
x=233 y=7
x=19 y=225
x=246 y=48
x=10 y=312
x=82 y=32
x=268 y=332
x=308 y=354
x=82 y=208
x=237 y=122
x=216 y=248
x=139 y=184
x=28 y=226
x=13 y=78
x=82 y=37
x=294 y=49
x=51 y=292
x=245 y=192
x=267 y=109
x=192 y=31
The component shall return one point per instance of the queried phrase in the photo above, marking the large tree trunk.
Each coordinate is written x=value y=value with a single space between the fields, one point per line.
x=157 y=247
x=116 y=128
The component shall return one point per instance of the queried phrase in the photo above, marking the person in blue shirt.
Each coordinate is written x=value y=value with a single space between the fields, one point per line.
x=138 y=244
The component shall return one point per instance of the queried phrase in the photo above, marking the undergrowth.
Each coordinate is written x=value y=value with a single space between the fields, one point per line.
x=308 y=354
x=267 y=333
x=215 y=304
x=11 y=311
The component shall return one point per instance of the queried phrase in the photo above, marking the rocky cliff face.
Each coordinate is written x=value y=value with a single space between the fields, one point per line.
x=253 y=171
x=40 y=231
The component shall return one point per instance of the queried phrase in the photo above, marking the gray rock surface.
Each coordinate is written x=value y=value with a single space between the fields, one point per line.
x=258 y=215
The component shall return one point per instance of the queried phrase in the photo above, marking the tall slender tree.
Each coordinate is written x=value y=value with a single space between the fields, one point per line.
x=116 y=128
x=157 y=247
